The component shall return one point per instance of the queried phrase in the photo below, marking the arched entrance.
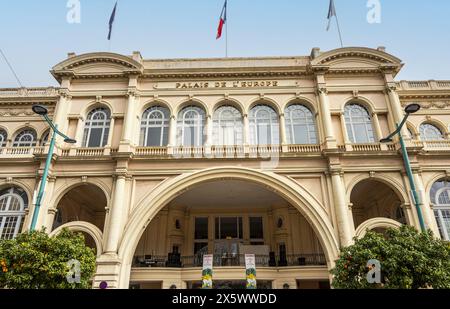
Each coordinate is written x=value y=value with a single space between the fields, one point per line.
x=291 y=192
x=376 y=205
x=227 y=218
x=82 y=209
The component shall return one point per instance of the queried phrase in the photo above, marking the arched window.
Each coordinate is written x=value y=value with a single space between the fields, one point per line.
x=359 y=124
x=3 y=138
x=300 y=125
x=13 y=202
x=440 y=197
x=264 y=126
x=429 y=132
x=26 y=138
x=155 y=127
x=45 y=138
x=191 y=124
x=228 y=127
x=96 y=130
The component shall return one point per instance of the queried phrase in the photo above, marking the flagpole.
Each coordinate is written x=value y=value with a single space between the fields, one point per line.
x=226 y=39
x=226 y=29
x=339 y=29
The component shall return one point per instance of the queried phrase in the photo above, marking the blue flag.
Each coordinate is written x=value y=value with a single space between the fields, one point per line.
x=111 y=21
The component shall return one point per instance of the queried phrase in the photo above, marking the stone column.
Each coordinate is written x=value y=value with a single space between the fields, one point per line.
x=45 y=218
x=342 y=211
x=62 y=110
x=128 y=125
x=427 y=212
x=379 y=134
x=116 y=216
x=246 y=133
x=345 y=135
x=396 y=107
x=283 y=137
x=111 y=132
x=172 y=134
x=110 y=137
x=330 y=138
x=80 y=132
x=209 y=132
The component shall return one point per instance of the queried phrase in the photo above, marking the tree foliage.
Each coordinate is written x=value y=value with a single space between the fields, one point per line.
x=34 y=260
x=409 y=260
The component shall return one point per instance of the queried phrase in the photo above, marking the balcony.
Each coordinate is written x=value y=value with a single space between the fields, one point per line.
x=299 y=260
x=21 y=152
x=424 y=85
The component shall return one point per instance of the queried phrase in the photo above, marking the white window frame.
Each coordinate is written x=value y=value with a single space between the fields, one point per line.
x=163 y=122
x=198 y=123
x=3 y=138
x=45 y=138
x=26 y=133
x=92 y=123
x=223 y=120
x=426 y=127
x=438 y=209
x=350 y=123
x=306 y=120
x=257 y=122
x=7 y=213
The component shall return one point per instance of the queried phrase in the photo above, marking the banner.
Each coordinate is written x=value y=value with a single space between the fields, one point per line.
x=250 y=266
x=207 y=271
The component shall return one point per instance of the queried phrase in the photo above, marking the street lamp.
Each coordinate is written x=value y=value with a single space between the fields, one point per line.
x=410 y=109
x=42 y=111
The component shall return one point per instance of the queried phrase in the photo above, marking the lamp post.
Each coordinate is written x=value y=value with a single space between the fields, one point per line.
x=42 y=111
x=410 y=109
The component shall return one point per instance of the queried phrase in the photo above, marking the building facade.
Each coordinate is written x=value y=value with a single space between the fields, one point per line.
x=277 y=157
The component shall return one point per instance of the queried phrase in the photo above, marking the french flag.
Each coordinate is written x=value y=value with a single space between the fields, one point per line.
x=223 y=20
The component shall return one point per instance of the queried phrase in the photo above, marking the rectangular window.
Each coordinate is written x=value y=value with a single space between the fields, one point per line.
x=201 y=228
x=228 y=227
x=200 y=247
x=256 y=228
x=95 y=138
x=154 y=137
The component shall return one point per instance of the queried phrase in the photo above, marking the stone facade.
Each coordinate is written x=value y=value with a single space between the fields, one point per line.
x=297 y=152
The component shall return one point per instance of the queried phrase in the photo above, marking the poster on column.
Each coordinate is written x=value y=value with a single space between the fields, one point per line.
x=207 y=272
x=250 y=271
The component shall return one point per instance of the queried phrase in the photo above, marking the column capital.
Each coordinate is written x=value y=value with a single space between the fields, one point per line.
x=322 y=90
x=64 y=93
x=133 y=93
x=391 y=88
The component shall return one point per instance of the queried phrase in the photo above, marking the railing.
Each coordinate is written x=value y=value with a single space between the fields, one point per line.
x=264 y=150
x=17 y=151
x=229 y=152
x=188 y=152
x=374 y=147
x=28 y=92
x=231 y=260
x=89 y=152
x=436 y=145
x=151 y=151
x=304 y=148
x=423 y=84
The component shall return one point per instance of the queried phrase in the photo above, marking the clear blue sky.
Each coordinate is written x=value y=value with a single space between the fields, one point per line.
x=35 y=34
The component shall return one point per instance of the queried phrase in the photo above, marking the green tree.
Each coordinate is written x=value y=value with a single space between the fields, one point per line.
x=34 y=260
x=409 y=260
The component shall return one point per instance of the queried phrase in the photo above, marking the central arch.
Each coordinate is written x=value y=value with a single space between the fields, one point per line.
x=286 y=188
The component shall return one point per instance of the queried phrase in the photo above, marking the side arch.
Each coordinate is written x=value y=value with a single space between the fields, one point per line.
x=374 y=223
x=88 y=228
x=156 y=200
x=63 y=190
x=387 y=180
